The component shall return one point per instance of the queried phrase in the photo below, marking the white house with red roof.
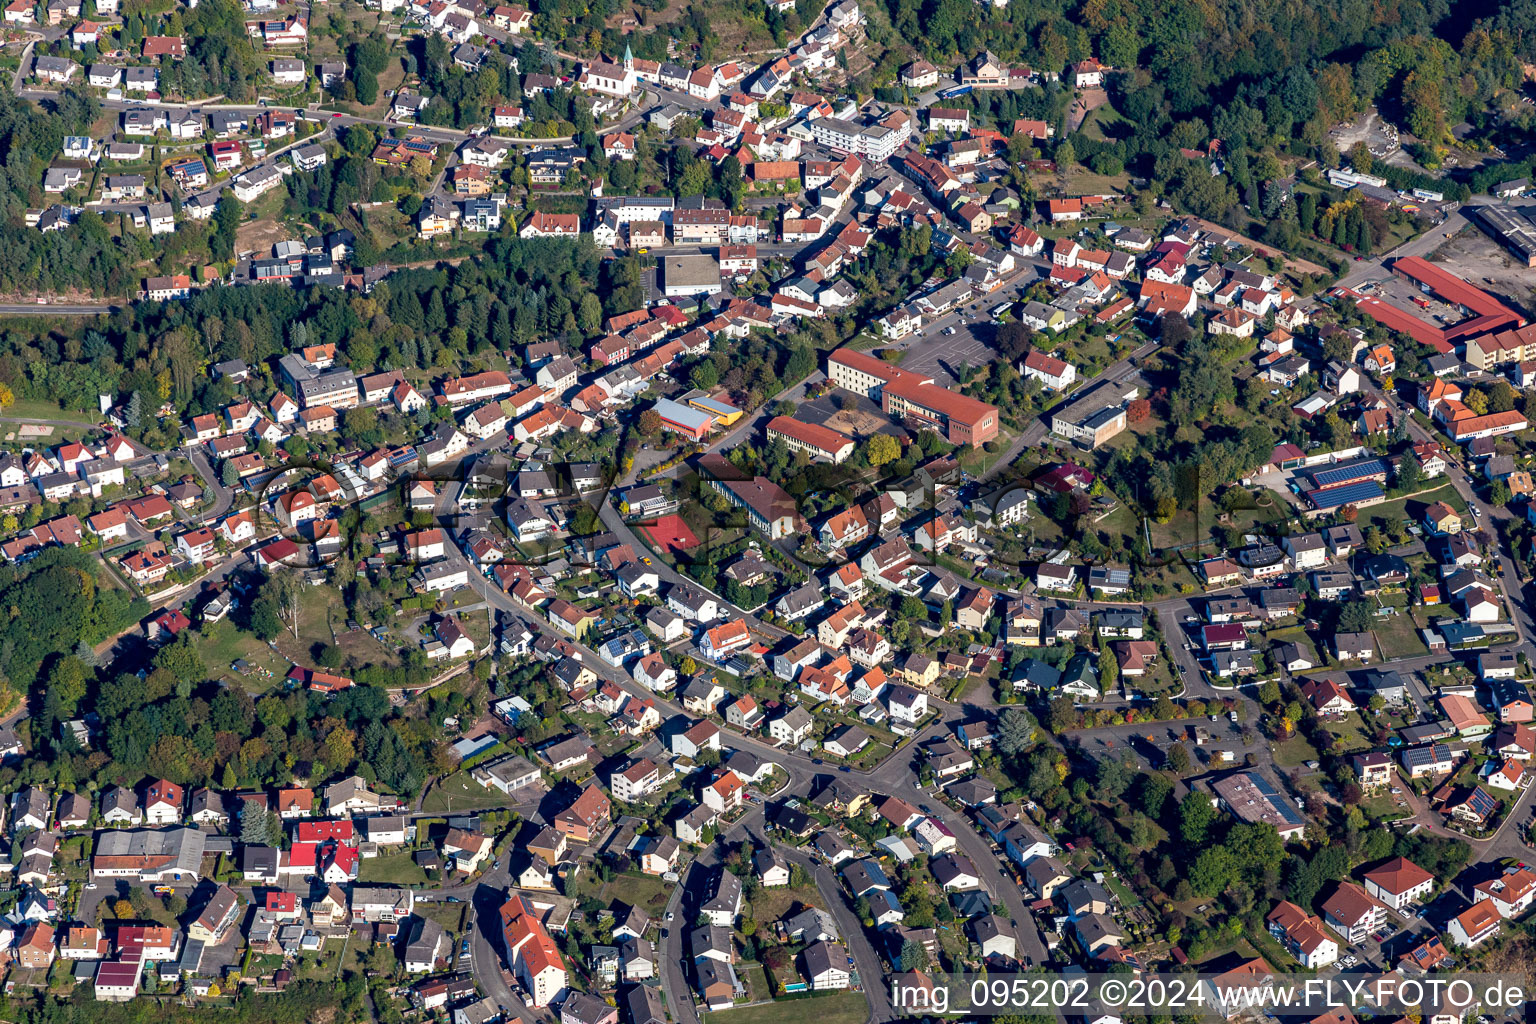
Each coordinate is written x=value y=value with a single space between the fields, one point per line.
x=1054 y=374
x=198 y=545
x=238 y=528
x=110 y=525
x=426 y=545
x=1511 y=893
x=1327 y=697
x=295 y=508
x=720 y=642
x=71 y=456
x=725 y=793
x=1399 y=883
x=162 y=803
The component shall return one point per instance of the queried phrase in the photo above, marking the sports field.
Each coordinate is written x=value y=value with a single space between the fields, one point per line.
x=671 y=534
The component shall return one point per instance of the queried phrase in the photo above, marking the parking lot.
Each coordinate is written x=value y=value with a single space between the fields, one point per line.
x=1148 y=742
x=942 y=356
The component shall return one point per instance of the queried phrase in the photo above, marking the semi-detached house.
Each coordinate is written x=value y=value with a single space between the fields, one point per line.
x=1399 y=883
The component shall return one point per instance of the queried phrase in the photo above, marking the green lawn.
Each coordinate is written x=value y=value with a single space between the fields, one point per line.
x=1271 y=950
x=37 y=409
x=1397 y=636
x=458 y=792
x=1184 y=528
x=1348 y=732
x=46 y=435
x=258 y=964
x=221 y=643
x=1083 y=182
x=648 y=892
x=834 y=1008
x=1384 y=808
x=317 y=604
x=1390 y=515
x=322 y=610
x=449 y=915
x=1123 y=892
x=778 y=902
x=756 y=980
x=394 y=868
x=321 y=966
x=978 y=461
x=1294 y=751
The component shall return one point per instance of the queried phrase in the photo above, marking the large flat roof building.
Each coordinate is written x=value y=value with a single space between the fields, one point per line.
x=1485 y=314
x=1249 y=797
x=684 y=419
x=150 y=855
x=1097 y=414
x=1514 y=228
x=690 y=275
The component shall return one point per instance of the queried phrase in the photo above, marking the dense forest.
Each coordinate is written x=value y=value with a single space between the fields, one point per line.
x=170 y=721
x=1264 y=85
x=420 y=318
x=694 y=36
x=52 y=606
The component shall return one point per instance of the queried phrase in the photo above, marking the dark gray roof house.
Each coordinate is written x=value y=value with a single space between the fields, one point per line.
x=799 y=602
x=864 y=876
x=642 y=1005
x=711 y=941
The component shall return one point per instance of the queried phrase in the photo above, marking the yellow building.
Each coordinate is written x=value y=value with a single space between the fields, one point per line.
x=724 y=414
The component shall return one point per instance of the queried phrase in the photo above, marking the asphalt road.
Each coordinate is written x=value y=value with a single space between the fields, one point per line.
x=486 y=896
x=892 y=778
x=1375 y=269
x=865 y=960
x=223 y=496
x=674 y=955
x=58 y=309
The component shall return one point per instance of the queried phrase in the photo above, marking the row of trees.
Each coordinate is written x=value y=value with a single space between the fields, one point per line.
x=424 y=318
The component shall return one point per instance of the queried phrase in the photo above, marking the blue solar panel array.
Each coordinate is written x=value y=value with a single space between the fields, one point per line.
x=1267 y=791
x=1347 y=472
x=1346 y=494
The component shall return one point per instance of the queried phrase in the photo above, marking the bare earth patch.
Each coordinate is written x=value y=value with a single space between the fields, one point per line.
x=259 y=235
x=854 y=422
x=1087 y=102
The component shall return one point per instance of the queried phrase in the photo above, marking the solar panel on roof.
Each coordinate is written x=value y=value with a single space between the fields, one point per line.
x=1349 y=471
x=1345 y=494
x=1268 y=792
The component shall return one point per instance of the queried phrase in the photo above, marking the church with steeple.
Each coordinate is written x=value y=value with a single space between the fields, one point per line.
x=611 y=79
